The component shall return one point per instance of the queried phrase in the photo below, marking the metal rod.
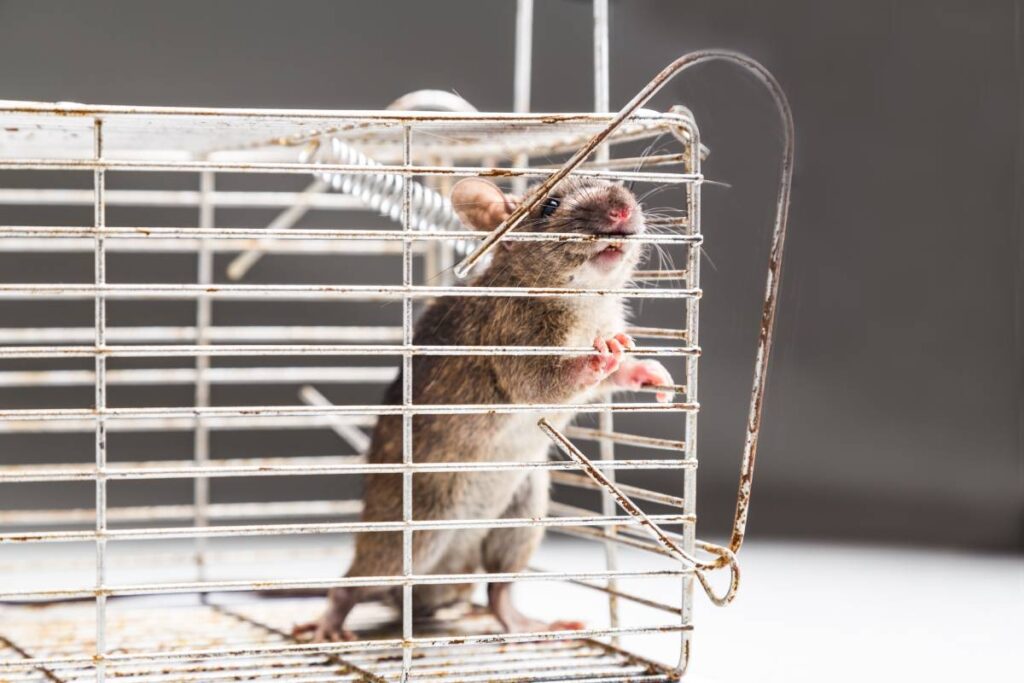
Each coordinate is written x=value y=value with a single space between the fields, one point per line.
x=348 y=169
x=290 y=411
x=248 y=199
x=325 y=528
x=242 y=350
x=125 y=590
x=325 y=234
x=201 y=394
x=283 y=221
x=100 y=402
x=293 y=466
x=351 y=434
x=628 y=439
x=320 y=292
x=407 y=423
x=179 y=333
x=569 y=479
x=522 y=76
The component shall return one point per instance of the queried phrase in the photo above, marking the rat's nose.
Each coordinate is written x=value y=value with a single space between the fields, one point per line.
x=619 y=214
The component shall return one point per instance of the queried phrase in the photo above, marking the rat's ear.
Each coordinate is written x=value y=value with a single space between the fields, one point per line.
x=481 y=204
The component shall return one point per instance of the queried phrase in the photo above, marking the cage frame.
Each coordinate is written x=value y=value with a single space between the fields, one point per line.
x=206 y=239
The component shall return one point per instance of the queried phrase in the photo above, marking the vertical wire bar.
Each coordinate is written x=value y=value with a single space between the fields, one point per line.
x=690 y=452
x=204 y=318
x=407 y=401
x=522 y=76
x=100 y=340
x=605 y=418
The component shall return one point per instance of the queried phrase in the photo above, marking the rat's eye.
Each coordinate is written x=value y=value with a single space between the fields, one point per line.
x=548 y=206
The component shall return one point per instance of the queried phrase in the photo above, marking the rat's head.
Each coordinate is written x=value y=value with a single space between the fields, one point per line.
x=586 y=206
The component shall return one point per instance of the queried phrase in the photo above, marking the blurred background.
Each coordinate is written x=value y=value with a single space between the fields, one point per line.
x=894 y=399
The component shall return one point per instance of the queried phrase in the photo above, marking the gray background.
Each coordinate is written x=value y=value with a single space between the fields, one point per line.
x=894 y=402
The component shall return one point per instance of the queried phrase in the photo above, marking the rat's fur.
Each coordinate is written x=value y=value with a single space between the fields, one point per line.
x=514 y=321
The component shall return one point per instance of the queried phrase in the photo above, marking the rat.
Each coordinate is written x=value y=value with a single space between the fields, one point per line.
x=577 y=205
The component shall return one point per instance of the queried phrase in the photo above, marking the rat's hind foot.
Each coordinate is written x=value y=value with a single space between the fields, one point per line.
x=606 y=361
x=323 y=631
x=633 y=374
x=499 y=601
x=331 y=626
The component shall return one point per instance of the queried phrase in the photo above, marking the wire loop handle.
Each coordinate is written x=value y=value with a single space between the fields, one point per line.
x=764 y=345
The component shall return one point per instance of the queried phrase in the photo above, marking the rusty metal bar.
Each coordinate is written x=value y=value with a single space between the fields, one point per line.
x=293 y=466
x=294 y=411
x=240 y=350
x=201 y=393
x=186 y=587
x=319 y=292
x=32 y=537
x=347 y=169
x=324 y=235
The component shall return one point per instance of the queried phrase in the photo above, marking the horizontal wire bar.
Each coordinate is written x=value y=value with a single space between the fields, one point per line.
x=247 y=375
x=288 y=411
x=339 y=234
x=597 y=534
x=362 y=120
x=180 y=350
x=170 y=333
x=346 y=169
x=321 y=247
x=276 y=467
x=337 y=647
x=318 y=292
x=591 y=434
x=185 y=423
x=249 y=199
x=567 y=478
x=658 y=274
x=632 y=597
x=325 y=528
x=657 y=332
x=143 y=513
x=330 y=582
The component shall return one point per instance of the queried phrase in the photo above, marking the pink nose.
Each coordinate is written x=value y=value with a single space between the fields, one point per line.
x=619 y=214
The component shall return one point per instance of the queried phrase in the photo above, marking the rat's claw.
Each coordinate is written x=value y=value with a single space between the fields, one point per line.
x=626 y=341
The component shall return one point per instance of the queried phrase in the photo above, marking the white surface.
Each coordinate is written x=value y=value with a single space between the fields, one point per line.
x=835 y=613
x=805 y=611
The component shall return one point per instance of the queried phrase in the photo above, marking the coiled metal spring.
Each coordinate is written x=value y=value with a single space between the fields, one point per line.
x=429 y=210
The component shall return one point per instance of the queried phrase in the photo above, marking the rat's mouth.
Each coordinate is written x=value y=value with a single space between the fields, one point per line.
x=609 y=248
x=609 y=252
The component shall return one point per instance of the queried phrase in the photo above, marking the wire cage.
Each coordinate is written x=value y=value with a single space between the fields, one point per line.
x=191 y=370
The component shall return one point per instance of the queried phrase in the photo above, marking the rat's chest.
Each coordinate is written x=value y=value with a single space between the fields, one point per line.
x=595 y=316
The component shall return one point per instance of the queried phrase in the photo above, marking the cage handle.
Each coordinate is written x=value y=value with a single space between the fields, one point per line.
x=725 y=557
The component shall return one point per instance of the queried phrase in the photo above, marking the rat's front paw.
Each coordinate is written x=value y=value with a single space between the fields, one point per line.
x=606 y=361
x=634 y=374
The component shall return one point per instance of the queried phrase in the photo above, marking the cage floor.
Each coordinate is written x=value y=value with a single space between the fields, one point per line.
x=140 y=625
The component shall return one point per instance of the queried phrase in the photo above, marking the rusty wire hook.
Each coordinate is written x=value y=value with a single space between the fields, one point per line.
x=764 y=345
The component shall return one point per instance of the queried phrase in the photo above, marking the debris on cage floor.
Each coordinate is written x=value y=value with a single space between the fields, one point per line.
x=256 y=634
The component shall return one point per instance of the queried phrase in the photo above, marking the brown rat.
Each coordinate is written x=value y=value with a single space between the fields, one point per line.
x=578 y=205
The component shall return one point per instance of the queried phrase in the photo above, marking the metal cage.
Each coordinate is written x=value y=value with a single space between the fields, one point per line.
x=199 y=609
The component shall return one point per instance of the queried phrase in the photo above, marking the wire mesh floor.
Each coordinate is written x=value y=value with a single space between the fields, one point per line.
x=68 y=630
